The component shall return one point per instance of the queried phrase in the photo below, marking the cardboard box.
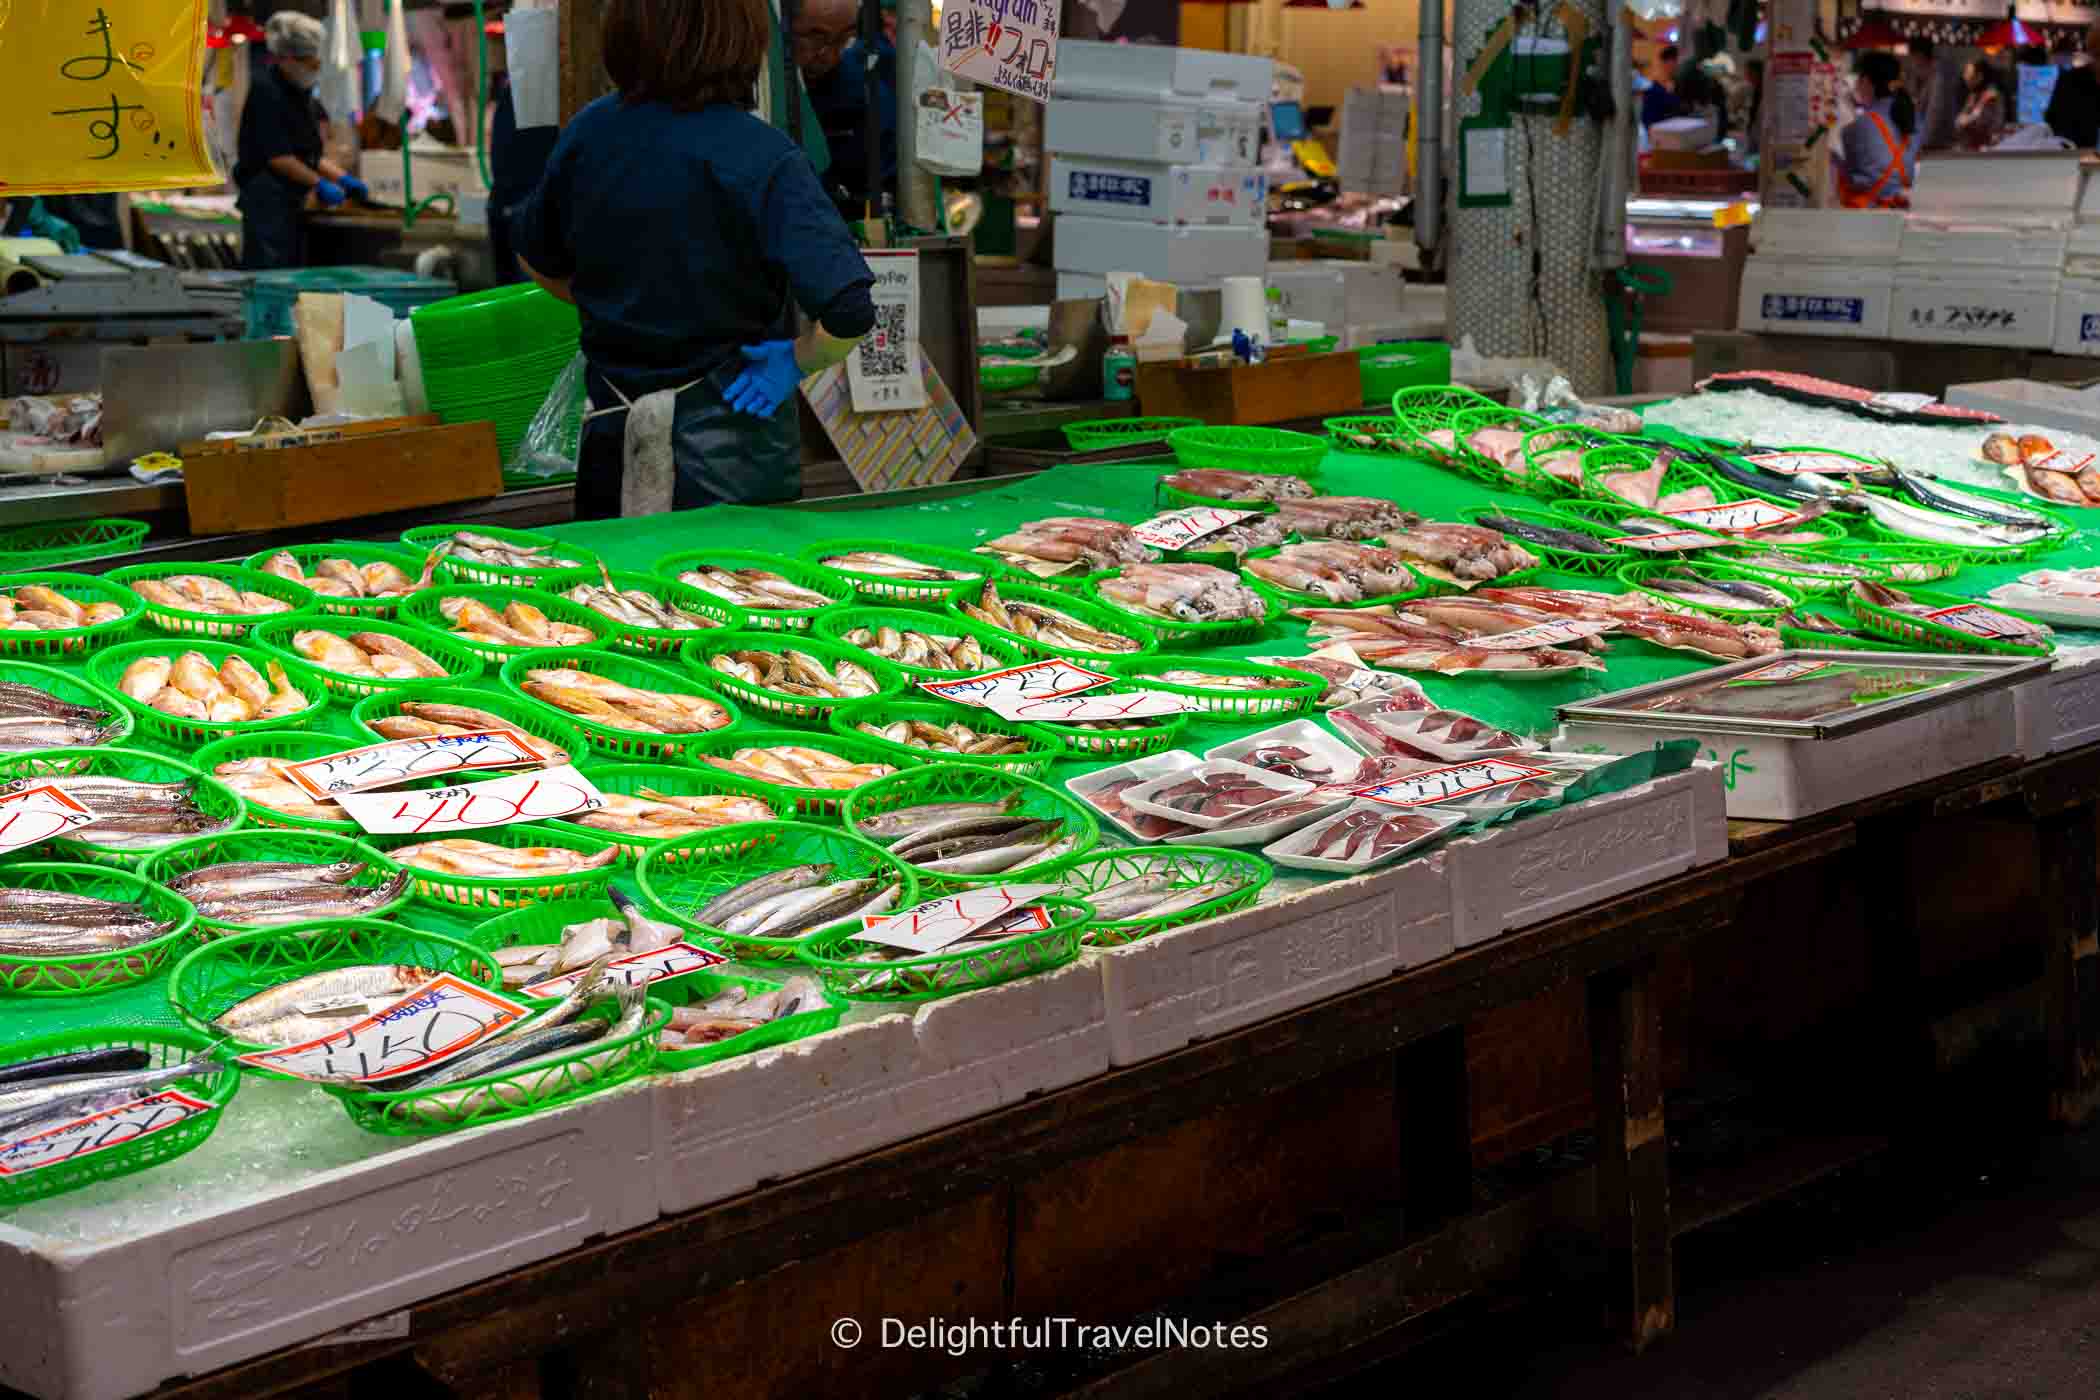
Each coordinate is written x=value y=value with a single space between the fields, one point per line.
x=269 y=488
x=1275 y=391
x=1147 y=191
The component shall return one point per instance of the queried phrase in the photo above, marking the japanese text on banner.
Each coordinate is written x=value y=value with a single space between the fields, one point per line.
x=883 y=370
x=102 y=96
x=1010 y=44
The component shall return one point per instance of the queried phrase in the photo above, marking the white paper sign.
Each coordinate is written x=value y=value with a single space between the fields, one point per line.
x=1816 y=463
x=442 y=1018
x=2061 y=461
x=1979 y=621
x=1736 y=517
x=1781 y=671
x=98 y=1132
x=1902 y=403
x=1542 y=634
x=933 y=925
x=1444 y=784
x=528 y=797
x=402 y=760
x=38 y=814
x=1073 y=709
x=1669 y=542
x=1010 y=44
x=1039 y=680
x=883 y=370
x=1180 y=529
x=636 y=969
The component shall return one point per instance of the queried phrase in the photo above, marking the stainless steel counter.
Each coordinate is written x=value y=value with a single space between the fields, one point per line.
x=31 y=500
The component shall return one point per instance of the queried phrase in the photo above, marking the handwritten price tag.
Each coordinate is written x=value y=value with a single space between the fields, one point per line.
x=529 y=797
x=98 y=1132
x=442 y=1018
x=403 y=760
x=1816 y=463
x=38 y=814
x=1736 y=517
x=1542 y=634
x=1780 y=671
x=1071 y=709
x=1444 y=784
x=933 y=925
x=1979 y=621
x=1039 y=680
x=1902 y=403
x=1180 y=529
x=1669 y=542
x=2061 y=461
x=636 y=970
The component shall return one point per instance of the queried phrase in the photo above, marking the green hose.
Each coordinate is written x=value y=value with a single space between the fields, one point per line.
x=1619 y=311
x=411 y=208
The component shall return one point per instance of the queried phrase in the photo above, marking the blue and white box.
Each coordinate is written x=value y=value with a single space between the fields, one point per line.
x=1154 y=193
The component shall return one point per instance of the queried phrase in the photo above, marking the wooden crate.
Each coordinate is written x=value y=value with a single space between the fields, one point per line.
x=1275 y=391
x=268 y=488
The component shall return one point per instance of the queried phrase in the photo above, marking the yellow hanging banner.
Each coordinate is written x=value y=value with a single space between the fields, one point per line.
x=102 y=95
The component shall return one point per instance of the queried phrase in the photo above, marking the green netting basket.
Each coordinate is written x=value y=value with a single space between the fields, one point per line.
x=911 y=978
x=213 y=798
x=1277 y=451
x=1001 y=649
x=1797 y=568
x=2061 y=531
x=779 y=706
x=1186 y=868
x=556 y=731
x=286 y=745
x=1809 y=640
x=891 y=592
x=261 y=844
x=1556 y=439
x=1472 y=420
x=1567 y=561
x=213 y=979
x=73 y=688
x=1176 y=632
x=680 y=878
x=662 y=643
x=630 y=745
x=702 y=987
x=949 y=782
x=425 y=611
x=834 y=586
x=1282 y=599
x=77 y=974
x=1909 y=562
x=1427 y=408
x=1083 y=609
x=1637 y=579
x=1294 y=692
x=164 y=1047
x=299 y=600
x=278 y=638
x=359 y=552
x=1372 y=434
x=1924 y=634
x=106 y=669
x=681 y=780
x=1606 y=520
x=807 y=803
x=1044 y=748
x=69 y=643
x=49 y=545
x=1100 y=434
x=574 y=557
x=465 y=330
x=512 y=891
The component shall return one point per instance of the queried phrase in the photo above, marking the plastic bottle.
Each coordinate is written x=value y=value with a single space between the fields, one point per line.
x=1279 y=319
x=1119 y=371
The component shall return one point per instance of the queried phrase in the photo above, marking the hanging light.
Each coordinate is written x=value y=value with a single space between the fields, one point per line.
x=2008 y=33
x=1874 y=32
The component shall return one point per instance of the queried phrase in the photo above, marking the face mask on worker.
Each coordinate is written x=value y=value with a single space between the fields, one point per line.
x=302 y=73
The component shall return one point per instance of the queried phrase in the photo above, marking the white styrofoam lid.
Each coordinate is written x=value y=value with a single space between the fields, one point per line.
x=1833 y=233
x=1997 y=181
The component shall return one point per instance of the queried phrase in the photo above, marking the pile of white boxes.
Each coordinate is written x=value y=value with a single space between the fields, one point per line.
x=1373 y=157
x=1153 y=165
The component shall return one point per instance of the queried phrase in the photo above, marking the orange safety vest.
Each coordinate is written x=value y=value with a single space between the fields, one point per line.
x=1872 y=197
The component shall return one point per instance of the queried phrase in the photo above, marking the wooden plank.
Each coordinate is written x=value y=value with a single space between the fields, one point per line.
x=278 y=488
x=1704 y=1198
x=1633 y=1154
x=1433 y=1110
x=2070 y=928
x=1899 y=1033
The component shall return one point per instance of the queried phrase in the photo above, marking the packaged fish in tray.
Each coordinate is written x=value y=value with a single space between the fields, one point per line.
x=1104 y=790
x=1298 y=749
x=1360 y=837
x=1273 y=822
x=1216 y=792
x=1386 y=727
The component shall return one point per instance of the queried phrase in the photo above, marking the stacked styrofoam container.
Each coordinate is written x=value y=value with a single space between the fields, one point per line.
x=1153 y=164
x=2078 y=300
x=1822 y=272
x=1373 y=157
x=1341 y=294
x=1983 y=249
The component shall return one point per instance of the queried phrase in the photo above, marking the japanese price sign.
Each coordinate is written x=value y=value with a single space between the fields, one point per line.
x=400 y=760
x=1669 y=542
x=1072 y=709
x=1180 y=529
x=1039 y=680
x=1820 y=463
x=1010 y=44
x=528 y=797
x=442 y=1018
x=883 y=370
x=933 y=925
x=1736 y=517
x=98 y=1132
x=102 y=96
x=637 y=969
x=1979 y=621
x=1542 y=634
x=38 y=814
x=1445 y=784
x=1781 y=671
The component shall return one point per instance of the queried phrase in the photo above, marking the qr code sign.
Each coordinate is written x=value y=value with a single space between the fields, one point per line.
x=883 y=352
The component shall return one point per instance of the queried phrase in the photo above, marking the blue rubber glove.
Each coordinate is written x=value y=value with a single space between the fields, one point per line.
x=329 y=193
x=45 y=224
x=767 y=380
x=355 y=188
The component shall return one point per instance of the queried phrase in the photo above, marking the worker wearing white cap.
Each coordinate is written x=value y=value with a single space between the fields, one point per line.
x=280 y=156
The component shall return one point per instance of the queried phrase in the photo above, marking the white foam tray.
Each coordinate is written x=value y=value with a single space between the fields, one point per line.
x=2059 y=709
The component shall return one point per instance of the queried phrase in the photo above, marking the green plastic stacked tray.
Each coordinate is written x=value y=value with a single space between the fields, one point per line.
x=584 y=563
x=1186 y=867
x=1100 y=434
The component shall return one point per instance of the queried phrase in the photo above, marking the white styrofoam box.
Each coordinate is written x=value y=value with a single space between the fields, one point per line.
x=265 y=1254
x=1965 y=306
x=1165 y=131
x=1539 y=867
x=2059 y=709
x=1932 y=241
x=1802 y=296
x=993 y=1047
x=1149 y=70
x=1191 y=983
x=1867 y=235
x=2029 y=401
x=2041 y=184
x=1179 y=253
x=1147 y=190
x=437 y=170
x=1314 y=289
x=2077 y=317
x=1682 y=133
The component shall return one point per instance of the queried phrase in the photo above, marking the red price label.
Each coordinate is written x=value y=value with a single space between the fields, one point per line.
x=529 y=797
x=402 y=760
x=39 y=813
x=98 y=1132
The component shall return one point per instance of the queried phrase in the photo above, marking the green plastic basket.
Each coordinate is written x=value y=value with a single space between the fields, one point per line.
x=77 y=974
x=1923 y=634
x=75 y=689
x=1905 y=563
x=224 y=627
x=1005 y=377
x=1186 y=867
x=1471 y=420
x=213 y=979
x=252 y=843
x=1001 y=648
x=1299 y=693
x=1100 y=434
x=949 y=782
x=463 y=331
x=359 y=552
x=1807 y=640
x=290 y=746
x=426 y=612
x=910 y=978
x=461 y=665
x=424 y=538
x=1567 y=561
x=1636 y=577
x=807 y=803
x=69 y=643
x=2060 y=532
x=536 y=721
x=49 y=545
x=1044 y=748
x=662 y=643
x=1277 y=451
x=701 y=987
x=778 y=706
x=508 y=892
x=682 y=780
x=1427 y=408
x=629 y=745
x=680 y=878
x=1175 y=632
x=804 y=575
x=1797 y=573
x=163 y=1047
x=1606 y=520
x=1283 y=599
x=1347 y=433
x=890 y=592
x=106 y=669
x=1549 y=440
x=1079 y=607
x=217 y=801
